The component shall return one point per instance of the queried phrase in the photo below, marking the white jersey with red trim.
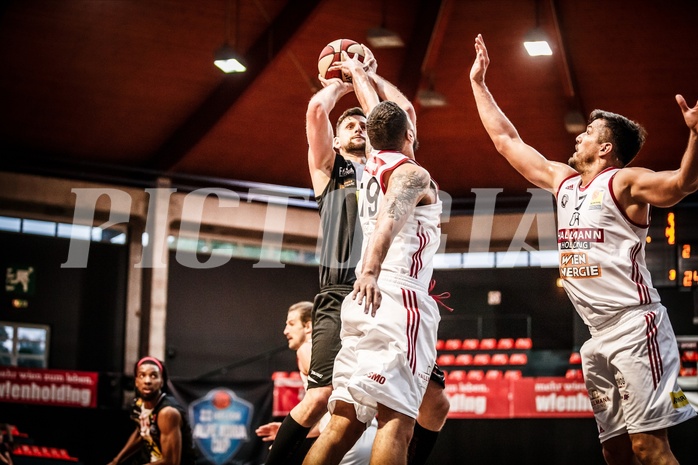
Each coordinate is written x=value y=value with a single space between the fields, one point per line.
x=412 y=250
x=602 y=252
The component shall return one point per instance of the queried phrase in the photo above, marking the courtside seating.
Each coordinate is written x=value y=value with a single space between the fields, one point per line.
x=457 y=375
x=513 y=374
x=470 y=344
x=481 y=359
x=499 y=359
x=488 y=344
x=505 y=343
x=575 y=358
x=518 y=359
x=464 y=359
x=445 y=359
x=476 y=375
x=493 y=374
x=523 y=343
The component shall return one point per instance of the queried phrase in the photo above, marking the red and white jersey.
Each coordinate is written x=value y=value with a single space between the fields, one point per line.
x=412 y=250
x=602 y=252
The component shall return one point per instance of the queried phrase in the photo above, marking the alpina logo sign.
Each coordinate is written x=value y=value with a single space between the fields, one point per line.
x=220 y=424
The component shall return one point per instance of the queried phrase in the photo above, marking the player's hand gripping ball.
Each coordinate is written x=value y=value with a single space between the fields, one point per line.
x=333 y=52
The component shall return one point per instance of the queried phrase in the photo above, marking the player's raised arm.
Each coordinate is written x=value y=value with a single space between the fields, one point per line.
x=319 y=130
x=525 y=159
x=666 y=188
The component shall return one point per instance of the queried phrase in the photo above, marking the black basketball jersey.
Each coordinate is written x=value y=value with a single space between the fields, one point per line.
x=341 y=245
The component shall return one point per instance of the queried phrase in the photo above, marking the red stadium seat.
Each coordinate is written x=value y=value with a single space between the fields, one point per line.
x=481 y=359
x=499 y=359
x=440 y=344
x=457 y=375
x=575 y=358
x=470 y=344
x=452 y=344
x=523 y=343
x=518 y=359
x=464 y=359
x=493 y=374
x=488 y=344
x=505 y=343
x=445 y=359
x=513 y=374
x=574 y=373
x=476 y=375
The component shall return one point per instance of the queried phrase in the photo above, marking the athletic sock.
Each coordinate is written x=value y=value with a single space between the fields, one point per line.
x=290 y=435
x=420 y=447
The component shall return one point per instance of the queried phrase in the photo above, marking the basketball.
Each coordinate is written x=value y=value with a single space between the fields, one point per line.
x=333 y=52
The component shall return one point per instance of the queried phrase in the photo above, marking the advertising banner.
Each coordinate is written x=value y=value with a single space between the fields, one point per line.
x=550 y=398
x=63 y=388
x=479 y=399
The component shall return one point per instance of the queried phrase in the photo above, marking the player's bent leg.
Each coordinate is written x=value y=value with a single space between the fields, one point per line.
x=431 y=418
x=297 y=424
x=434 y=409
x=618 y=450
x=312 y=407
x=653 y=448
x=392 y=438
x=341 y=433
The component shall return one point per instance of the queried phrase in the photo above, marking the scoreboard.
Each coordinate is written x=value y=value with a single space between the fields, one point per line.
x=671 y=251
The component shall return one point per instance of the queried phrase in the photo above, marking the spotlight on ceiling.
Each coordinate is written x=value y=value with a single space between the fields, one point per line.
x=430 y=98
x=575 y=122
x=228 y=60
x=537 y=43
x=380 y=37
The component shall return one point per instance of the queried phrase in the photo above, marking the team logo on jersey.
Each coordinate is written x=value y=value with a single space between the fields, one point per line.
x=220 y=424
x=596 y=200
x=564 y=200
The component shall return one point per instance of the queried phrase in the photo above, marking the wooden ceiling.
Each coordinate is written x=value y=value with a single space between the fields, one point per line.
x=92 y=87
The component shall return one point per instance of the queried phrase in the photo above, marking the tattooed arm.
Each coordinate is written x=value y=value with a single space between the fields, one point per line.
x=408 y=186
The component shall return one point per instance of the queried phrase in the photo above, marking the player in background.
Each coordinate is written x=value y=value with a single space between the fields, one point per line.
x=631 y=361
x=298 y=332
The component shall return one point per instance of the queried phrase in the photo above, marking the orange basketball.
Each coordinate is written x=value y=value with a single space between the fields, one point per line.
x=333 y=52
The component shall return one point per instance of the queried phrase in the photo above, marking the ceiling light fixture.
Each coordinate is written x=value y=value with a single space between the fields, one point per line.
x=429 y=97
x=226 y=58
x=536 y=41
x=382 y=37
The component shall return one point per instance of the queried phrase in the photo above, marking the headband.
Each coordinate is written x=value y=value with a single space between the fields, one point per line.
x=151 y=360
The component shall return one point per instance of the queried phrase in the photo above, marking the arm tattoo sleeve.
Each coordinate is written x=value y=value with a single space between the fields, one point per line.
x=406 y=189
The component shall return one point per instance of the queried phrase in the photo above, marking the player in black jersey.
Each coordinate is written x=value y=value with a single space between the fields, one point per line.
x=162 y=434
x=335 y=161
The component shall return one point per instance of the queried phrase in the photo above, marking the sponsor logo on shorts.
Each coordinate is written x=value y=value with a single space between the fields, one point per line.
x=678 y=399
x=378 y=378
x=598 y=402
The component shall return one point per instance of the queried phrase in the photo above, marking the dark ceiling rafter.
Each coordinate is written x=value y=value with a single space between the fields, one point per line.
x=418 y=46
x=224 y=96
